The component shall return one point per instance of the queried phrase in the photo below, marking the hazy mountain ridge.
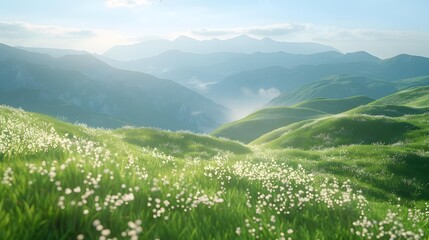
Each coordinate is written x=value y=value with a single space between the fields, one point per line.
x=240 y=44
x=88 y=83
x=248 y=86
x=190 y=69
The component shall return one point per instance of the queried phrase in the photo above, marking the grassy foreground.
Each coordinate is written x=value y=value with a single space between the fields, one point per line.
x=61 y=181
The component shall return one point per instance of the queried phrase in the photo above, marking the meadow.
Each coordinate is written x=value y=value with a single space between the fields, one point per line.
x=65 y=181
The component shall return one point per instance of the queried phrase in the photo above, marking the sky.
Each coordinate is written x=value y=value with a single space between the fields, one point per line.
x=384 y=28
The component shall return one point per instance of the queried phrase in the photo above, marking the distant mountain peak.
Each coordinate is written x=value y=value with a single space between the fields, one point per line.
x=184 y=38
x=242 y=37
x=239 y=44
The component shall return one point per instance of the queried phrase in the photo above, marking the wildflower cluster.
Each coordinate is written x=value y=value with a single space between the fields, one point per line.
x=7 y=177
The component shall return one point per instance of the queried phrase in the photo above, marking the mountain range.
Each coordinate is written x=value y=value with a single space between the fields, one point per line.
x=102 y=96
x=196 y=71
x=239 y=44
x=252 y=86
x=209 y=82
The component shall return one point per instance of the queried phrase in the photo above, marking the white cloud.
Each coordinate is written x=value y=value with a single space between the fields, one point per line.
x=259 y=31
x=128 y=3
x=261 y=93
x=51 y=36
x=268 y=93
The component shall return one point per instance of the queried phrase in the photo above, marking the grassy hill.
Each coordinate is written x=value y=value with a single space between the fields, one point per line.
x=264 y=121
x=414 y=97
x=268 y=119
x=345 y=130
x=179 y=144
x=335 y=106
x=413 y=82
x=62 y=181
x=388 y=110
x=376 y=122
x=336 y=87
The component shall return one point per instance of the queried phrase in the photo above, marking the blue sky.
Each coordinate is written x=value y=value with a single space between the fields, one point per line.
x=382 y=27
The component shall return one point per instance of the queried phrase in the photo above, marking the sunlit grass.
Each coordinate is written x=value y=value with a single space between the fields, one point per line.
x=60 y=181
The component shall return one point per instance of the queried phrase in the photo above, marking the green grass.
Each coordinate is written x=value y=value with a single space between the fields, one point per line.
x=388 y=110
x=413 y=82
x=337 y=86
x=264 y=121
x=414 y=97
x=61 y=181
x=341 y=130
x=334 y=106
x=180 y=144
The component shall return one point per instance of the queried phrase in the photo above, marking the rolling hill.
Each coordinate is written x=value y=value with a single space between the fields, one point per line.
x=264 y=121
x=388 y=110
x=268 y=119
x=341 y=130
x=413 y=82
x=179 y=144
x=336 y=87
x=414 y=97
x=148 y=183
x=394 y=119
x=334 y=106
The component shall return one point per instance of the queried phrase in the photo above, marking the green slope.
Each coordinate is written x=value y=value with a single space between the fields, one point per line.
x=388 y=110
x=336 y=87
x=415 y=97
x=413 y=82
x=264 y=121
x=334 y=106
x=343 y=130
x=179 y=144
x=62 y=181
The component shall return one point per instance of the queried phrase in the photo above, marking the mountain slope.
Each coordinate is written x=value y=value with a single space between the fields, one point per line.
x=336 y=87
x=413 y=82
x=268 y=119
x=344 y=130
x=54 y=52
x=284 y=79
x=179 y=144
x=388 y=110
x=264 y=121
x=41 y=101
x=93 y=86
x=335 y=106
x=414 y=97
x=240 y=44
